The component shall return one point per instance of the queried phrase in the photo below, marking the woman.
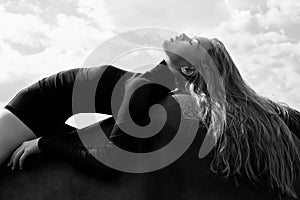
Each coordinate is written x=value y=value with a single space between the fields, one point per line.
x=255 y=136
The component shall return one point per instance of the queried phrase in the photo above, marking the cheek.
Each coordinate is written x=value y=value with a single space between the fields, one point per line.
x=187 y=54
x=182 y=49
x=179 y=52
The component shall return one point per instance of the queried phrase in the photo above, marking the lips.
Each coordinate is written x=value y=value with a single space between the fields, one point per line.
x=176 y=38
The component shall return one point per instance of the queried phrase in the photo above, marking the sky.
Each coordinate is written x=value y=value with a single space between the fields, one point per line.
x=40 y=38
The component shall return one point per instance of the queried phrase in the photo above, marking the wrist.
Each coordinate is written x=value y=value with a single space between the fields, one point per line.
x=37 y=145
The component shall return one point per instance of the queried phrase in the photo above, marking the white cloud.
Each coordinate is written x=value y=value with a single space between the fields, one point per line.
x=38 y=39
x=264 y=50
x=178 y=15
x=22 y=28
x=32 y=48
x=65 y=45
x=254 y=6
x=96 y=11
x=289 y=10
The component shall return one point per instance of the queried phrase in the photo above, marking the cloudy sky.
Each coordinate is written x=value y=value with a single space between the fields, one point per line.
x=40 y=38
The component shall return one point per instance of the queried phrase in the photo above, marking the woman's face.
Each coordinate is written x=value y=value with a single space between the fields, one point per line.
x=184 y=54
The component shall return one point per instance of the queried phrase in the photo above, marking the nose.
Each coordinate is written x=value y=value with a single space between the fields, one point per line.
x=185 y=37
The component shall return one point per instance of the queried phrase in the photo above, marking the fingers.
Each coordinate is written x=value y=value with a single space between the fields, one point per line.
x=19 y=155
x=21 y=160
x=16 y=158
x=13 y=155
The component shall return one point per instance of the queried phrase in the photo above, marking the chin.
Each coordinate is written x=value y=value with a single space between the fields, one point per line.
x=165 y=44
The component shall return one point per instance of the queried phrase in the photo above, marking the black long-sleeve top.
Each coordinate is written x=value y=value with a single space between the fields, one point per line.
x=70 y=146
x=107 y=83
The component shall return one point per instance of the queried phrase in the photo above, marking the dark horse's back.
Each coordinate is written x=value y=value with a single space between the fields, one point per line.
x=187 y=178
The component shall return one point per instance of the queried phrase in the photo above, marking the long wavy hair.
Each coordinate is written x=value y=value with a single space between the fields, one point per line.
x=251 y=136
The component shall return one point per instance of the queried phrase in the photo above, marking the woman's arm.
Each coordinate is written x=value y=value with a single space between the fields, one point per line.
x=137 y=99
x=70 y=147
x=93 y=89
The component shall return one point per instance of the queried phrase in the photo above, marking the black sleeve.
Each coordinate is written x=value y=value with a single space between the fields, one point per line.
x=83 y=90
x=69 y=146
x=94 y=88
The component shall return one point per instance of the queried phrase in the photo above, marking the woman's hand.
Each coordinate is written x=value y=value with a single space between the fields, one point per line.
x=27 y=148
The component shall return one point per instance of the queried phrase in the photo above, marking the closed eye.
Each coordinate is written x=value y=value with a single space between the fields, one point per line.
x=194 y=40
